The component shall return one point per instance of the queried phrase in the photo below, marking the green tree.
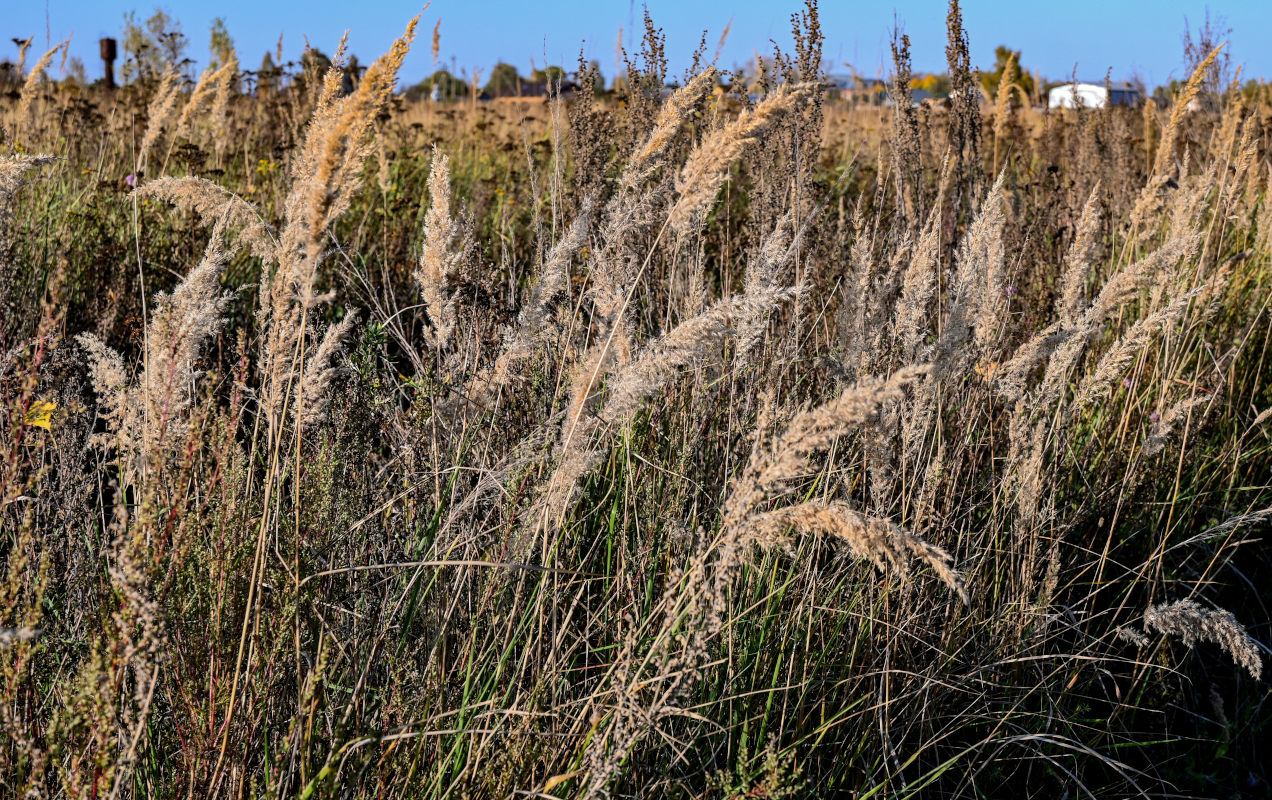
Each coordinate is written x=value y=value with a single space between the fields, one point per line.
x=504 y=81
x=548 y=75
x=448 y=87
x=221 y=44
x=152 y=47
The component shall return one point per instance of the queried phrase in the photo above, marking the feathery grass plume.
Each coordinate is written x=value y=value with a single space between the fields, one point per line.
x=328 y=167
x=1004 y=111
x=708 y=165
x=854 y=313
x=1192 y=623
x=1078 y=262
x=440 y=255
x=1136 y=339
x=1065 y=346
x=979 y=302
x=583 y=435
x=1148 y=124
x=1242 y=161
x=1002 y=100
x=203 y=88
x=324 y=174
x=983 y=252
x=437 y=39
x=225 y=82
x=810 y=431
x=1142 y=274
x=213 y=85
x=26 y=96
x=147 y=416
x=23 y=47
x=328 y=89
x=13 y=170
x=879 y=541
x=1012 y=376
x=1166 y=151
x=159 y=113
x=1188 y=204
x=630 y=211
x=311 y=402
x=1062 y=348
x=672 y=116
x=217 y=206
x=534 y=319
x=918 y=287
x=1150 y=200
x=1164 y=424
x=763 y=274
x=688 y=342
x=694 y=606
x=1224 y=136
x=1246 y=520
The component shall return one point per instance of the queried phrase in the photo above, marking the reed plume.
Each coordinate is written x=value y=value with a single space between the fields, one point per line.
x=147 y=416
x=1150 y=200
x=441 y=254
x=707 y=166
x=214 y=205
x=875 y=540
x=159 y=114
x=1192 y=623
x=26 y=95
x=1079 y=262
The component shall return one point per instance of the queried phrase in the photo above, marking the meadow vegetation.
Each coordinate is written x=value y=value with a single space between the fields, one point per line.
x=684 y=444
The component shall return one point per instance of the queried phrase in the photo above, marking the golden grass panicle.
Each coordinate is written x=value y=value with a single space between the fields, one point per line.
x=687 y=343
x=212 y=91
x=879 y=541
x=218 y=207
x=441 y=254
x=31 y=86
x=707 y=166
x=1079 y=262
x=324 y=174
x=159 y=114
x=147 y=416
x=1192 y=623
x=1150 y=200
x=812 y=430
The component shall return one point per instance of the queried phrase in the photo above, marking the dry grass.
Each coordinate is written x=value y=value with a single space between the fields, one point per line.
x=677 y=446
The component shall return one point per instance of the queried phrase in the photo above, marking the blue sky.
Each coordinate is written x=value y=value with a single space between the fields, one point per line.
x=1140 y=38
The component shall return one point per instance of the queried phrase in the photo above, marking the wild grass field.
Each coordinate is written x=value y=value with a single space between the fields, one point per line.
x=683 y=444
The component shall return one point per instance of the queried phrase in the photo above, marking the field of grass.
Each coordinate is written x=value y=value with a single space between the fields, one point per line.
x=673 y=444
